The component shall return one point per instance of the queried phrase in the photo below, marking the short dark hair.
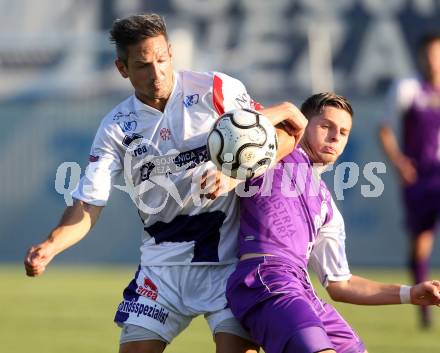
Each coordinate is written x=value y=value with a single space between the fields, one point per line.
x=427 y=39
x=315 y=104
x=131 y=30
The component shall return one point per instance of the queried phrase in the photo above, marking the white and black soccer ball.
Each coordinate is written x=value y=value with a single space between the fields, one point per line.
x=242 y=143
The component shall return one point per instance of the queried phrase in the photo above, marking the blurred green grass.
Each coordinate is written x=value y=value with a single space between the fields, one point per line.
x=70 y=309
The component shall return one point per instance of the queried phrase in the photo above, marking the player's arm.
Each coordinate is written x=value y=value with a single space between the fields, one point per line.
x=400 y=97
x=359 y=290
x=402 y=163
x=75 y=223
x=290 y=125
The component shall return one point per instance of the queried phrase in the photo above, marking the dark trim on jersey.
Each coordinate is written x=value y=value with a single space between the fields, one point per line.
x=203 y=229
x=129 y=294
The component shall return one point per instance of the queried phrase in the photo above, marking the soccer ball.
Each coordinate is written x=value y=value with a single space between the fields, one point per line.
x=242 y=143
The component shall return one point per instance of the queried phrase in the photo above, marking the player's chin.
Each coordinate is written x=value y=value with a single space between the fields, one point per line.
x=327 y=158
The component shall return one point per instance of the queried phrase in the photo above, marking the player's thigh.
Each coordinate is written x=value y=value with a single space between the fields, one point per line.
x=229 y=343
x=341 y=334
x=136 y=339
x=151 y=346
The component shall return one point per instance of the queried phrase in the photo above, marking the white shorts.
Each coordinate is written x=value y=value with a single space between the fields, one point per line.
x=164 y=299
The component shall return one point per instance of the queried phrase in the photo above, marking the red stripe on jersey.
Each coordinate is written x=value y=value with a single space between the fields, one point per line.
x=256 y=105
x=218 y=98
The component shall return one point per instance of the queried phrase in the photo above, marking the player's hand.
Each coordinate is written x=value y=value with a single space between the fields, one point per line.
x=290 y=125
x=426 y=293
x=296 y=123
x=214 y=183
x=407 y=171
x=37 y=258
x=289 y=117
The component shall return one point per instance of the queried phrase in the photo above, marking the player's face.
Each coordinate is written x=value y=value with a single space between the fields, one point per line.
x=432 y=58
x=327 y=134
x=150 y=70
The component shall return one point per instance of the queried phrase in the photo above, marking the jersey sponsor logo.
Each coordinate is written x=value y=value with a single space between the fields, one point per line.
x=128 y=139
x=153 y=311
x=120 y=115
x=165 y=133
x=174 y=163
x=192 y=157
x=148 y=290
x=191 y=100
x=156 y=170
x=127 y=126
x=243 y=100
x=140 y=151
x=93 y=158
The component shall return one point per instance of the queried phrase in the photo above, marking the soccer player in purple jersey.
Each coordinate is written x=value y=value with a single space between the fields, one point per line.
x=414 y=104
x=290 y=222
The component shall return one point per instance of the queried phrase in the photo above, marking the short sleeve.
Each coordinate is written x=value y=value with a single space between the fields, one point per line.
x=328 y=258
x=230 y=93
x=104 y=166
x=399 y=99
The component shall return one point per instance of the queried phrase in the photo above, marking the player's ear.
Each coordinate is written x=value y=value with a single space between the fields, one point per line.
x=122 y=68
x=170 y=51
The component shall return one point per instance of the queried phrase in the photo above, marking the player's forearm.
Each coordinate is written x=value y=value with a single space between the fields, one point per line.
x=290 y=125
x=390 y=145
x=363 y=291
x=286 y=143
x=75 y=223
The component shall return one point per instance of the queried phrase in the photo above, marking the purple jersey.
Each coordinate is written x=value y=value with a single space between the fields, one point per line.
x=292 y=217
x=418 y=104
x=283 y=218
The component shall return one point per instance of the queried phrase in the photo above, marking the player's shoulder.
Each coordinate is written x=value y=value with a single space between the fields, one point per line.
x=208 y=78
x=227 y=80
x=122 y=113
x=297 y=156
x=334 y=221
x=408 y=84
x=404 y=91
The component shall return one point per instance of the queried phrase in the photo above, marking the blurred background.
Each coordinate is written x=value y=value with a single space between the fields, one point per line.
x=58 y=80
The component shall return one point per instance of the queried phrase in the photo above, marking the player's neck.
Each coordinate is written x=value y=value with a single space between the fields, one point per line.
x=318 y=166
x=435 y=81
x=309 y=152
x=158 y=104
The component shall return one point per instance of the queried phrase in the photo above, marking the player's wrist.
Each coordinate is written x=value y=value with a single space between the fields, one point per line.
x=405 y=294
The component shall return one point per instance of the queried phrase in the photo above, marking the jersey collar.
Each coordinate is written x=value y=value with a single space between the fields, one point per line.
x=140 y=106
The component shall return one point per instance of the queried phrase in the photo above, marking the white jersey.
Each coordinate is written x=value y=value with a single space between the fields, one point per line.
x=328 y=258
x=162 y=155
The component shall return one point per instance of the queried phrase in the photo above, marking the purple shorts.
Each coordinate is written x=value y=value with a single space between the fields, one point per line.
x=422 y=208
x=275 y=302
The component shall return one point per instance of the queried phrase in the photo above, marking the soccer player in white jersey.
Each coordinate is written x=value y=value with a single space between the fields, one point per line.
x=414 y=104
x=157 y=139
